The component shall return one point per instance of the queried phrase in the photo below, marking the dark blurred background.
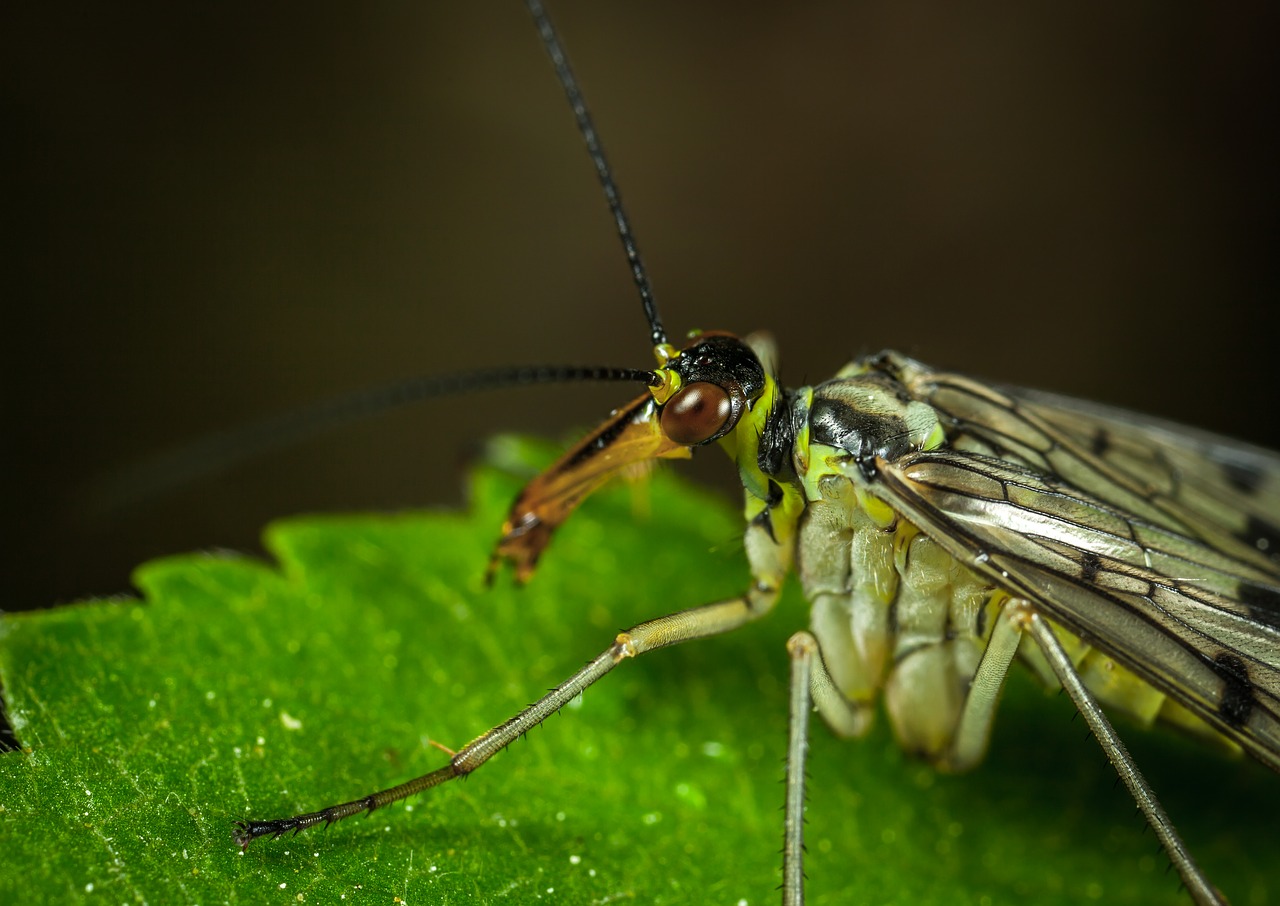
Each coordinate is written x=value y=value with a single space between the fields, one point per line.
x=219 y=211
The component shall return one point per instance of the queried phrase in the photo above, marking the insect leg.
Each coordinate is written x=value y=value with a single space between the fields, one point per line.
x=700 y=622
x=973 y=730
x=802 y=647
x=1192 y=877
x=811 y=685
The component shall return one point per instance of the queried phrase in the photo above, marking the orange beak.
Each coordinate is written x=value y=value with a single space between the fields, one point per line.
x=630 y=438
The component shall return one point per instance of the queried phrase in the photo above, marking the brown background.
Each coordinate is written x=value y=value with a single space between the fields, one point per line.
x=217 y=212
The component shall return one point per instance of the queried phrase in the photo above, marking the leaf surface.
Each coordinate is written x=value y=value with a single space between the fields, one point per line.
x=237 y=688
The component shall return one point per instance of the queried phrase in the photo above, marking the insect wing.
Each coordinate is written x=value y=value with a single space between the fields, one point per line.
x=1164 y=604
x=1224 y=482
x=1219 y=491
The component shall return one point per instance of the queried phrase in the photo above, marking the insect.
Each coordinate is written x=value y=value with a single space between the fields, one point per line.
x=941 y=528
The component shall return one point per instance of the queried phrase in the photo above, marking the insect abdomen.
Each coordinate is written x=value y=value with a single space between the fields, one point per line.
x=893 y=612
x=896 y=613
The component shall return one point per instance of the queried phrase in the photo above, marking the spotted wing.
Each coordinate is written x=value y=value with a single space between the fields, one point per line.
x=1134 y=545
x=1223 y=482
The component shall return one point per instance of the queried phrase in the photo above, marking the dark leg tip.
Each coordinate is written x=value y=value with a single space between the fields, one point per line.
x=243 y=835
x=248 y=831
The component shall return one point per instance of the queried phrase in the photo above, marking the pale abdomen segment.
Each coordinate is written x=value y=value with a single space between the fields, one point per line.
x=895 y=614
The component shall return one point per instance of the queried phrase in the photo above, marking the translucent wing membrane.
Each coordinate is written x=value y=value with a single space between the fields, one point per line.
x=1192 y=482
x=1155 y=546
x=1224 y=482
x=1127 y=544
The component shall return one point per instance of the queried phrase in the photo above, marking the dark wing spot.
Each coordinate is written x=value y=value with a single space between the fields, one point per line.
x=1263 y=602
x=1100 y=443
x=1237 y=690
x=1263 y=535
x=1089 y=566
x=1242 y=476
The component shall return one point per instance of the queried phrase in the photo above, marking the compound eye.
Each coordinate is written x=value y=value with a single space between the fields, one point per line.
x=696 y=413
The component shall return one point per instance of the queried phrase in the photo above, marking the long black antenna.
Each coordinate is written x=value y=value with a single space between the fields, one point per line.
x=551 y=41
x=160 y=474
x=214 y=453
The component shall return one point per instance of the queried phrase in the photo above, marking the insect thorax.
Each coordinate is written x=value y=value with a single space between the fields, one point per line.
x=892 y=610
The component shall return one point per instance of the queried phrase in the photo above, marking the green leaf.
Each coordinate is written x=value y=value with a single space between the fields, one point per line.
x=242 y=689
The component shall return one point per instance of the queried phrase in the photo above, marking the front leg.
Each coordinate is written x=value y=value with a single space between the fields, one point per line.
x=698 y=623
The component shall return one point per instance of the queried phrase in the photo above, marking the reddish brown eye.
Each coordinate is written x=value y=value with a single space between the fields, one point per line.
x=696 y=413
